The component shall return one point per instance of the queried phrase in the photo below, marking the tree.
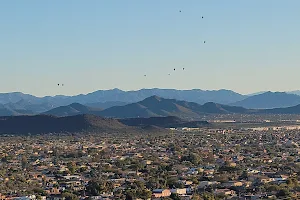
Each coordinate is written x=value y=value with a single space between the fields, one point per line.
x=39 y=197
x=39 y=191
x=145 y=194
x=283 y=193
x=175 y=196
x=271 y=188
x=72 y=167
x=129 y=195
x=292 y=182
x=196 y=197
x=244 y=175
x=69 y=196
x=172 y=182
x=208 y=196
x=93 y=188
x=24 y=162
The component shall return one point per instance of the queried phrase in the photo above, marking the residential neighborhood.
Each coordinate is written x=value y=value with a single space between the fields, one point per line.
x=198 y=164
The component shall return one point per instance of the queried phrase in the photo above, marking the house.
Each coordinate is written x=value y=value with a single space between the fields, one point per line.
x=54 y=191
x=147 y=162
x=232 y=184
x=204 y=184
x=158 y=193
x=224 y=192
x=179 y=191
x=2 y=197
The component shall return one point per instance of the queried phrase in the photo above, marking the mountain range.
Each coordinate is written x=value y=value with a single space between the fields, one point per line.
x=156 y=106
x=153 y=106
x=118 y=96
x=16 y=103
x=152 y=114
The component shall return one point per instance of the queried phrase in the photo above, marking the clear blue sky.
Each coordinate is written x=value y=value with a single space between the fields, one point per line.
x=102 y=44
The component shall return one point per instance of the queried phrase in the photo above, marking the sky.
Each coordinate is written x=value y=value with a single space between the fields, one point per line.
x=94 y=45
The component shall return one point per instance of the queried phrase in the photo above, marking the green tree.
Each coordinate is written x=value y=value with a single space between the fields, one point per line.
x=145 y=194
x=175 y=196
x=93 y=188
x=69 y=196
x=196 y=197
x=208 y=196
x=283 y=193
x=24 y=162
x=72 y=167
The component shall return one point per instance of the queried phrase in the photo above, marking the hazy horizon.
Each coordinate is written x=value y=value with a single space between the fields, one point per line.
x=88 y=46
x=88 y=92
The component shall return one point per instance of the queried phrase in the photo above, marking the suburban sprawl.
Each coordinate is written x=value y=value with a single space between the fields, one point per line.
x=205 y=163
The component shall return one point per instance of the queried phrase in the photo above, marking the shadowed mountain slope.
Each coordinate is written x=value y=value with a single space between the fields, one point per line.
x=39 y=124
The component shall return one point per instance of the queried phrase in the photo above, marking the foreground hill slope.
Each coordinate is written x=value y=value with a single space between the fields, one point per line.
x=39 y=124
x=164 y=122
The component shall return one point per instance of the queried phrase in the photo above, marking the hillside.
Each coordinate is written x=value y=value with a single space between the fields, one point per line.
x=153 y=121
x=72 y=109
x=107 y=104
x=165 y=122
x=39 y=124
x=269 y=100
x=29 y=105
x=6 y=111
x=288 y=110
x=214 y=108
x=150 y=107
x=155 y=106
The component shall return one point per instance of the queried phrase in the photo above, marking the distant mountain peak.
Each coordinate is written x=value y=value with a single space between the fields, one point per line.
x=156 y=97
x=270 y=100
x=153 y=98
x=210 y=104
